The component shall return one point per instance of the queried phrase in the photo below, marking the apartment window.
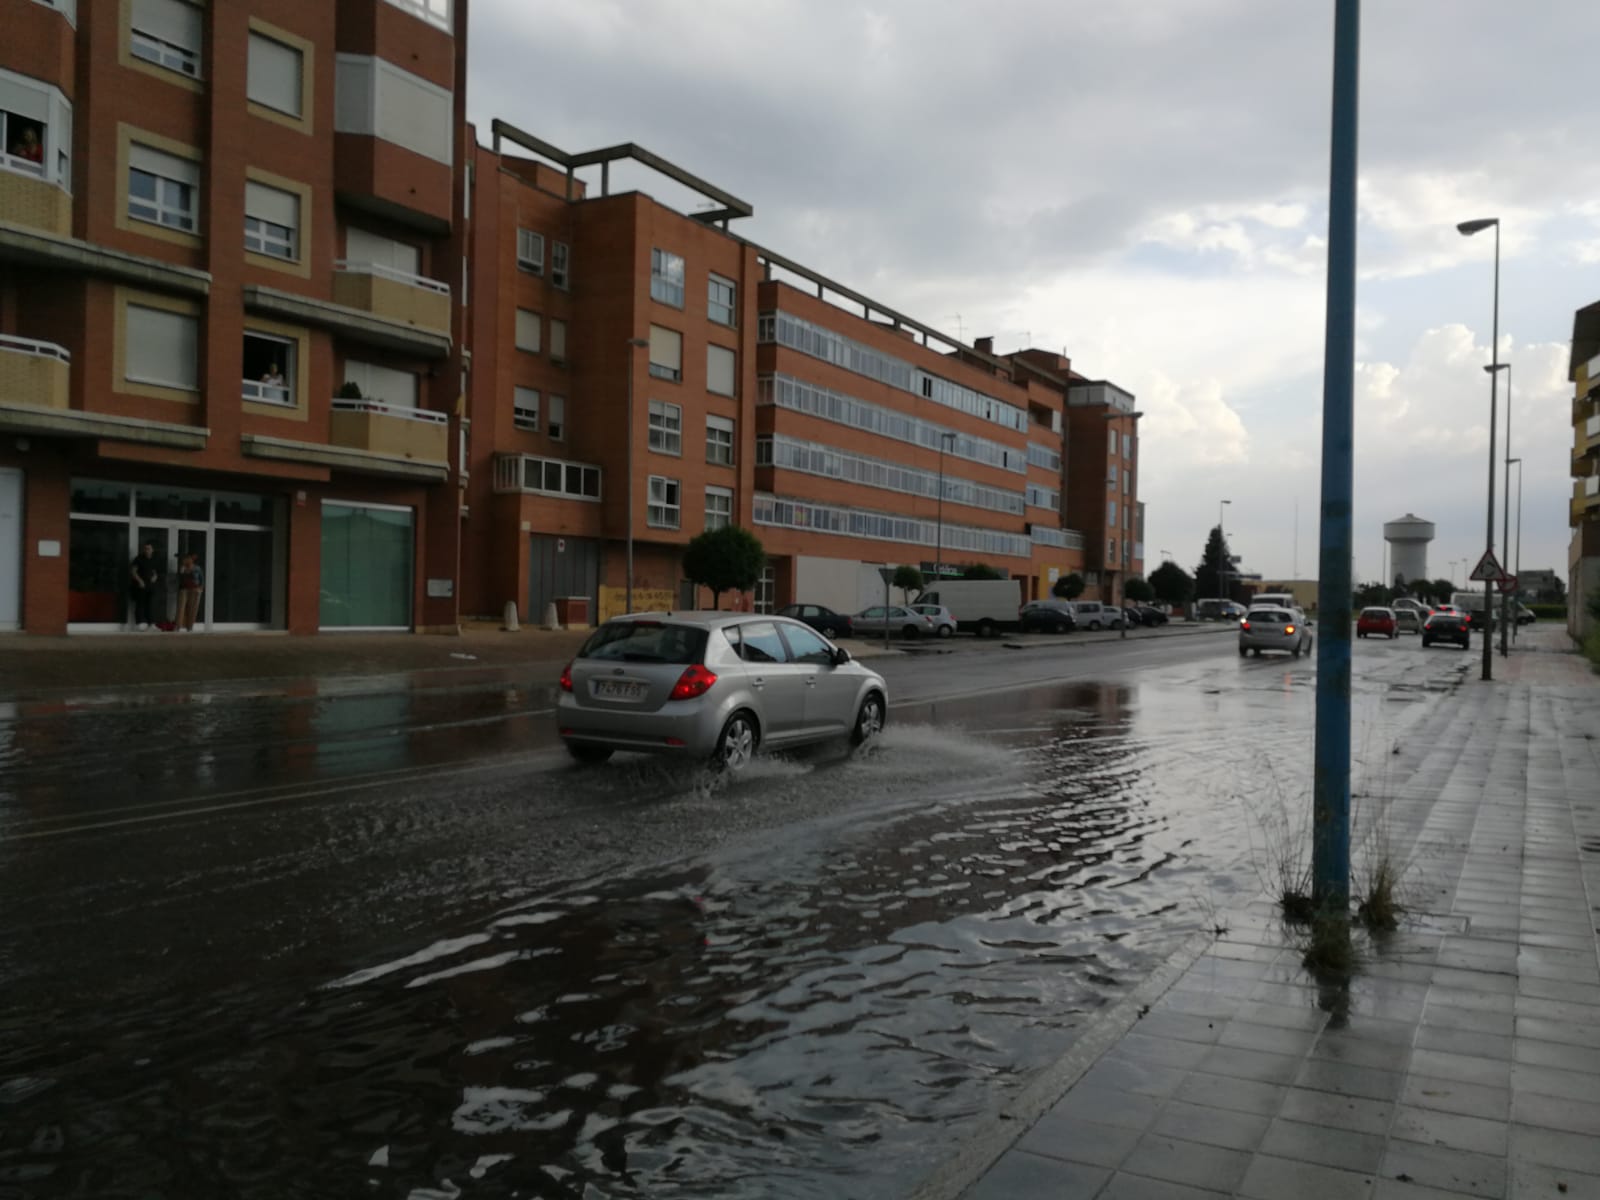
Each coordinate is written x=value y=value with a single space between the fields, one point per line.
x=719 y=440
x=162 y=188
x=269 y=366
x=271 y=221
x=666 y=277
x=529 y=325
x=530 y=251
x=666 y=427
x=1127 y=445
x=162 y=348
x=1127 y=482
x=400 y=258
x=555 y=418
x=434 y=12
x=375 y=98
x=1111 y=474
x=722 y=300
x=663 y=510
x=276 y=75
x=1111 y=551
x=382 y=385
x=719 y=508
x=767 y=590
x=558 y=340
x=666 y=354
x=1111 y=514
x=1113 y=434
x=560 y=264
x=167 y=33
x=525 y=409
x=721 y=371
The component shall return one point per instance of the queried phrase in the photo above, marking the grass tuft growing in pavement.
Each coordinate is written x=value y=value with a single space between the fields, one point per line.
x=1329 y=949
x=1280 y=845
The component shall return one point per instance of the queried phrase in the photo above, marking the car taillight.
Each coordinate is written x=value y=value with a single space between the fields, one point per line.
x=1244 y=624
x=566 y=678
x=695 y=681
x=1288 y=628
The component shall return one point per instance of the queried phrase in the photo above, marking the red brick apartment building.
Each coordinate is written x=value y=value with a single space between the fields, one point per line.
x=291 y=317
x=227 y=323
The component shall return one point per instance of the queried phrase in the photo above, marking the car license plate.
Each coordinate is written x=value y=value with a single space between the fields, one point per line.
x=617 y=689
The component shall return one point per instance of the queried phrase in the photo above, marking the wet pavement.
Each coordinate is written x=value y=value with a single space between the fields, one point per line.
x=264 y=941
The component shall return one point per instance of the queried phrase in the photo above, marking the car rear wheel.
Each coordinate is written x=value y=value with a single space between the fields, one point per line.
x=986 y=629
x=737 y=744
x=945 y=631
x=1243 y=653
x=1426 y=642
x=869 y=720
x=911 y=631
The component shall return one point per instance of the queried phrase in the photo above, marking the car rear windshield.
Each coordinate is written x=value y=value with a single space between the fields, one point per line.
x=646 y=641
x=1268 y=616
x=1376 y=612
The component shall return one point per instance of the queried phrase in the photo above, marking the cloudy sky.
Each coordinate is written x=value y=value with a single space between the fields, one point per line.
x=1144 y=185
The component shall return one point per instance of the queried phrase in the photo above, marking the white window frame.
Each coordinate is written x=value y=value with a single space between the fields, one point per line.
x=271 y=238
x=282 y=394
x=192 y=384
x=530 y=251
x=666 y=428
x=715 y=447
x=1114 y=442
x=256 y=90
x=664 y=507
x=666 y=277
x=555 y=417
x=24 y=98
x=359 y=370
x=162 y=51
x=188 y=176
x=529 y=330
x=1111 y=475
x=525 y=409
x=1112 y=514
x=721 y=516
x=561 y=265
x=712 y=351
x=716 y=306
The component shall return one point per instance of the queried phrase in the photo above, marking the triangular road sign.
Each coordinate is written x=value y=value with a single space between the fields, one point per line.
x=1488 y=568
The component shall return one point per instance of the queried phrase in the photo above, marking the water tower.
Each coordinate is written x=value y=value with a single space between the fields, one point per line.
x=1408 y=539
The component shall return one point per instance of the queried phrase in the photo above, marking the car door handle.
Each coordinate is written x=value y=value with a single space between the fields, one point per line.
x=758 y=682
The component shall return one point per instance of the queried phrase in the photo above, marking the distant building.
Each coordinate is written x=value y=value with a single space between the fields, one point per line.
x=1304 y=591
x=1542 y=585
x=1583 y=513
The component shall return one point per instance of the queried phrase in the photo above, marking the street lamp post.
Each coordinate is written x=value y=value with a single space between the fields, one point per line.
x=633 y=344
x=1222 y=536
x=938 y=551
x=1517 y=569
x=1505 y=528
x=1467 y=229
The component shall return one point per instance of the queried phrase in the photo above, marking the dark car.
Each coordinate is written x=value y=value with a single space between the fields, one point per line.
x=1047 y=616
x=1446 y=627
x=1149 y=615
x=824 y=620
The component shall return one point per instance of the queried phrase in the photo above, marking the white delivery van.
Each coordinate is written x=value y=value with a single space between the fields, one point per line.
x=1273 y=600
x=1470 y=603
x=986 y=607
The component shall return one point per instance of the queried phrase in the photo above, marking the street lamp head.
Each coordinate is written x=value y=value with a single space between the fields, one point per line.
x=1491 y=368
x=1468 y=228
x=638 y=343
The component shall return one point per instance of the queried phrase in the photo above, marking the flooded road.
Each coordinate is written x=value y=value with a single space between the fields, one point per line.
x=493 y=975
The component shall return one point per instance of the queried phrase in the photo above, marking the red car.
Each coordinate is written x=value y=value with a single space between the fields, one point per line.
x=1378 y=621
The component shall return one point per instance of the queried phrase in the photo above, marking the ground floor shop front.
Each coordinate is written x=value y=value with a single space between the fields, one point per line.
x=271 y=554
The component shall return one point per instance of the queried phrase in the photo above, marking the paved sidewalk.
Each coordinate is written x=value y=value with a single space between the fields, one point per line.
x=1463 y=1057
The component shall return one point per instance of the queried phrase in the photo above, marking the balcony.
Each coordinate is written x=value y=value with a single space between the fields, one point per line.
x=393 y=295
x=28 y=198
x=366 y=437
x=34 y=374
x=1585 y=499
x=1586 y=448
x=358 y=324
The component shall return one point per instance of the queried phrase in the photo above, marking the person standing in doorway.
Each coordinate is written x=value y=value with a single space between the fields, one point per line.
x=145 y=581
x=191 y=583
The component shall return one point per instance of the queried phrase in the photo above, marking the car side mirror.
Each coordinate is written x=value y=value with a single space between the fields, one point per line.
x=840 y=656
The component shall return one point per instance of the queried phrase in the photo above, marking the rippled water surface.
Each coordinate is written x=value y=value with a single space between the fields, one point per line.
x=811 y=1015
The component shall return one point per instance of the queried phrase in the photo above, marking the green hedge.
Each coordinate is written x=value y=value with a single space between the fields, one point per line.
x=1549 y=612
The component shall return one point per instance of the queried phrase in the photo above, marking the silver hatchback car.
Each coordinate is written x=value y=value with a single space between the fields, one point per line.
x=1274 y=629
x=713 y=685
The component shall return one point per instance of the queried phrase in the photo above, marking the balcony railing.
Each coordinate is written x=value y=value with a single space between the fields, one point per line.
x=257 y=392
x=391 y=410
x=19 y=345
x=1062 y=539
x=34 y=374
x=356 y=267
x=392 y=294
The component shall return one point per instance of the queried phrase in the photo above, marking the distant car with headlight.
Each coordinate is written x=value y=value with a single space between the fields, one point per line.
x=713 y=686
x=1274 y=629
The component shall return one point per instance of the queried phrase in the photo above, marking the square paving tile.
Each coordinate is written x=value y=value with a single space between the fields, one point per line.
x=1181 y=1026
x=1279 y=1178
x=1553 y=1081
x=1552 y=1054
x=1568 y=1033
x=1108 y=1106
x=1138 y=1187
x=1211 y=1126
x=1023 y=1176
x=1344 y=1080
x=1210 y=1167
x=1464 y=1041
x=1271 y=1038
x=1354 y=1113
x=1125 y=1075
x=1446 y=1169
x=1445 y=1016
x=1159 y=1051
x=1541 y=1179
x=1059 y=1135
x=1453 y=1096
x=1235 y=1095
x=1432 y=1127
x=1559 y=1148
x=1572 y=1114
x=1342 y=1148
x=1465 y=1068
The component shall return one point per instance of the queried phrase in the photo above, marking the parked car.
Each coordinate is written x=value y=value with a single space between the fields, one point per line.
x=1047 y=616
x=1132 y=615
x=1378 y=621
x=1407 y=620
x=1274 y=629
x=1151 y=615
x=1446 y=627
x=896 y=618
x=821 y=618
x=944 y=621
x=1091 y=614
x=1525 y=615
x=713 y=685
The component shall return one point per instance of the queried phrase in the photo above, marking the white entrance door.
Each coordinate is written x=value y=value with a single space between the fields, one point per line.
x=10 y=548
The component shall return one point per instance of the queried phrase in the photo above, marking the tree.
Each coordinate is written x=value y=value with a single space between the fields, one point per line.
x=1138 y=590
x=726 y=559
x=908 y=579
x=1442 y=589
x=1068 y=587
x=1399 y=584
x=980 y=571
x=1214 y=576
x=1171 y=584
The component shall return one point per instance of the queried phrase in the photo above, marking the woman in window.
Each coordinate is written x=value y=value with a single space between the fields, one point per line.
x=28 y=146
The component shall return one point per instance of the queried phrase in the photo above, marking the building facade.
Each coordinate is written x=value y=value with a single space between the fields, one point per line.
x=228 y=236
x=1583 y=513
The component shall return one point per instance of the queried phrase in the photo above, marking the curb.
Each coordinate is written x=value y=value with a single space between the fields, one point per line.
x=983 y=1146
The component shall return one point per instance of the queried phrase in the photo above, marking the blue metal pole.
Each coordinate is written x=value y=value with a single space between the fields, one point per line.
x=1330 y=826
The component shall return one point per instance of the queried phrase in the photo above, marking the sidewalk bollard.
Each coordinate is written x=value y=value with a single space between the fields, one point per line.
x=510 y=624
x=551 y=621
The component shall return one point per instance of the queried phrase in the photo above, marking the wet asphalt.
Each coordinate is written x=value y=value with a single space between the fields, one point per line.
x=338 y=937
